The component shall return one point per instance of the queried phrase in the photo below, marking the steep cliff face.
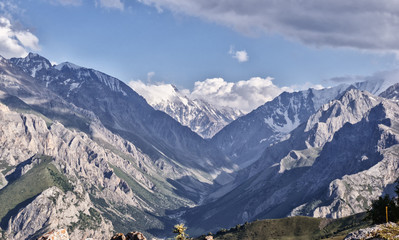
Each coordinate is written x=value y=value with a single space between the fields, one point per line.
x=245 y=139
x=55 y=209
x=100 y=181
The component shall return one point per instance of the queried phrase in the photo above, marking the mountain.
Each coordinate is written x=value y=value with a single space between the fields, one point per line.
x=95 y=143
x=378 y=83
x=332 y=165
x=81 y=150
x=392 y=92
x=200 y=116
x=244 y=139
x=124 y=112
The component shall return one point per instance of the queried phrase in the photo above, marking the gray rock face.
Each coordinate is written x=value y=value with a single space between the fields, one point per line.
x=324 y=153
x=329 y=167
x=198 y=115
x=244 y=139
x=124 y=112
x=90 y=168
x=54 y=209
x=391 y=93
x=370 y=233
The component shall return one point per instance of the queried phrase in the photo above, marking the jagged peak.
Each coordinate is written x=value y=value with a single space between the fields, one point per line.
x=34 y=57
x=352 y=93
x=68 y=65
x=392 y=92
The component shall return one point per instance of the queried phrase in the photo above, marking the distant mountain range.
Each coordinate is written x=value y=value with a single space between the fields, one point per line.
x=200 y=116
x=102 y=159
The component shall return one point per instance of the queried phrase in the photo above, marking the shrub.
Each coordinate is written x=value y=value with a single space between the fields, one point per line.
x=180 y=230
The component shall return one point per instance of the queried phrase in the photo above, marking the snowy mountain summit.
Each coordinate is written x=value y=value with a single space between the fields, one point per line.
x=200 y=116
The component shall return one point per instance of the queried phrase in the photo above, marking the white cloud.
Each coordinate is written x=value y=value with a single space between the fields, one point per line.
x=15 y=43
x=150 y=75
x=28 y=40
x=154 y=93
x=241 y=56
x=243 y=95
x=366 y=24
x=113 y=4
x=67 y=2
x=305 y=86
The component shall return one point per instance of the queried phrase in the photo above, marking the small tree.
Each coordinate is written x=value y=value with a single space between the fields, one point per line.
x=377 y=213
x=180 y=230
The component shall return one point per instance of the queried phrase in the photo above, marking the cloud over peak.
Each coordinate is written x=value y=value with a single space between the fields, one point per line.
x=16 y=43
x=244 y=95
x=367 y=24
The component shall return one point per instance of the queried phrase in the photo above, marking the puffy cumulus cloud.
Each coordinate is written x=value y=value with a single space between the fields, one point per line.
x=243 y=95
x=154 y=93
x=366 y=24
x=16 y=43
x=241 y=56
x=112 y=4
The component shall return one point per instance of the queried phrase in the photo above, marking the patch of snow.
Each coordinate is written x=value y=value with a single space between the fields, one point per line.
x=156 y=94
x=67 y=64
x=73 y=86
x=285 y=128
x=111 y=82
x=35 y=69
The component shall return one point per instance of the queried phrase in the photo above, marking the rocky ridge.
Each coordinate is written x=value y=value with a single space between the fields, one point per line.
x=317 y=171
x=138 y=167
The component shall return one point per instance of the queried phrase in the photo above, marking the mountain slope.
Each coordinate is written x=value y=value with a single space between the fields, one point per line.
x=127 y=114
x=131 y=186
x=244 y=139
x=200 y=116
x=329 y=167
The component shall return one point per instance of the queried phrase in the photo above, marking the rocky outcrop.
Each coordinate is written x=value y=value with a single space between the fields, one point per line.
x=60 y=234
x=377 y=232
x=54 y=209
x=129 y=236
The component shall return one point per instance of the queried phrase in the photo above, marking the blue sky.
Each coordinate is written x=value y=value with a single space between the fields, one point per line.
x=182 y=42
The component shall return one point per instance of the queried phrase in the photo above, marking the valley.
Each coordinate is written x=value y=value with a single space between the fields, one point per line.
x=103 y=160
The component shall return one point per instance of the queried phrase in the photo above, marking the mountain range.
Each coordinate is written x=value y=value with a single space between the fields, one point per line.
x=81 y=150
x=197 y=114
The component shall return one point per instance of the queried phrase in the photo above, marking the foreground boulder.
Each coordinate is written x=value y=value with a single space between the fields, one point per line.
x=60 y=234
x=129 y=236
x=377 y=232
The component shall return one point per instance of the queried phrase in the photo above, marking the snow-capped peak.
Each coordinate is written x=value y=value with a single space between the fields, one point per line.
x=202 y=117
x=157 y=93
x=68 y=65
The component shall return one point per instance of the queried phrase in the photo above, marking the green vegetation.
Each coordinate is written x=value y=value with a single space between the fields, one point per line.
x=294 y=228
x=180 y=229
x=87 y=221
x=21 y=191
x=377 y=213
